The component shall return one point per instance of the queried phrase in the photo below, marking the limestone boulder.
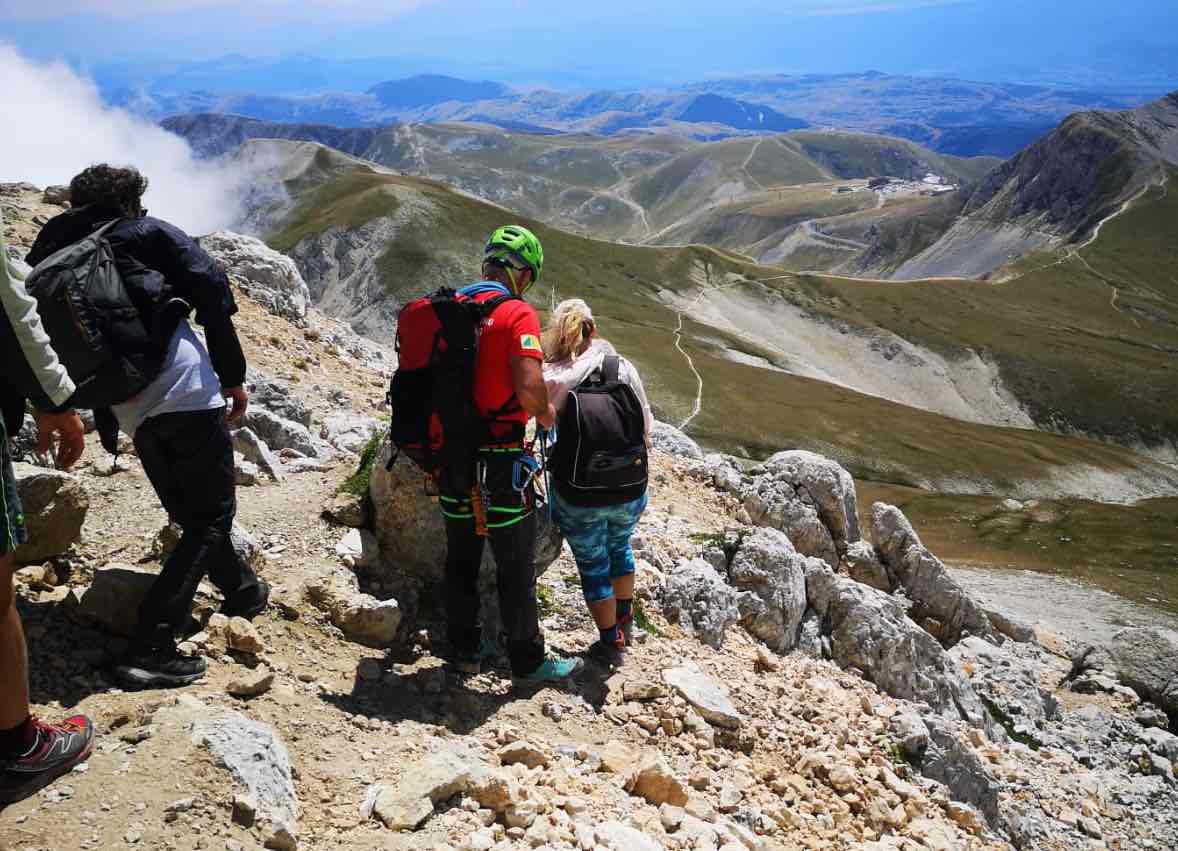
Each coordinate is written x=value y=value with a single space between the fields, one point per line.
x=707 y=696
x=407 y=804
x=369 y=621
x=350 y=432
x=1146 y=660
x=113 y=598
x=269 y=278
x=55 y=506
x=279 y=433
x=772 y=578
x=361 y=617
x=257 y=759
x=254 y=450
x=871 y=631
x=666 y=438
x=810 y=498
x=864 y=565
x=277 y=397
x=926 y=581
x=696 y=597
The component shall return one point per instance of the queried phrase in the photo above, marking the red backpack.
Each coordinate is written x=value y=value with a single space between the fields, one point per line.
x=434 y=418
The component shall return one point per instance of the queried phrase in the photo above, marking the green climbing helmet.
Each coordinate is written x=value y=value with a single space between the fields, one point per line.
x=516 y=247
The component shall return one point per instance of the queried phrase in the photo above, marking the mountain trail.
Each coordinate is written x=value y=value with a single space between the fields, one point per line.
x=1124 y=208
x=744 y=166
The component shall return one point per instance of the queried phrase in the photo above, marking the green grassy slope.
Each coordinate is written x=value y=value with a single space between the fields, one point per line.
x=851 y=155
x=746 y=409
x=1090 y=343
x=1128 y=550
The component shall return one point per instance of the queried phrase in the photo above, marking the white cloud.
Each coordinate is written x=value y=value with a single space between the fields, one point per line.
x=56 y=125
x=346 y=9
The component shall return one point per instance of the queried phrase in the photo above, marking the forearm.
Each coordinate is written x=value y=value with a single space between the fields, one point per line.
x=225 y=352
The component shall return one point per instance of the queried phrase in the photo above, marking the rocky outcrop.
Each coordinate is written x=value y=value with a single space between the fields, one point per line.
x=864 y=565
x=1011 y=684
x=55 y=506
x=278 y=398
x=280 y=433
x=114 y=596
x=360 y=617
x=704 y=694
x=1144 y=659
x=666 y=438
x=258 y=760
x=771 y=576
x=696 y=597
x=271 y=279
x=871 y=631
x=807 y=496
x=350 y=432
x=940 y=604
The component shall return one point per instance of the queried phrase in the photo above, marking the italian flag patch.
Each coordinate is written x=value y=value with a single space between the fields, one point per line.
x=529 y=343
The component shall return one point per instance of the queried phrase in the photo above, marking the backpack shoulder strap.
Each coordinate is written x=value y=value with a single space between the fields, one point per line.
x=486 y=308
x=610 y=369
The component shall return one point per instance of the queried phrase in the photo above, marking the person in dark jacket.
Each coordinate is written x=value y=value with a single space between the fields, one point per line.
x=33 y=753
x=178 y=422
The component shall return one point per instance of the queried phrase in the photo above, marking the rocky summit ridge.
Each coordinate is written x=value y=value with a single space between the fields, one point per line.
x=808 y=677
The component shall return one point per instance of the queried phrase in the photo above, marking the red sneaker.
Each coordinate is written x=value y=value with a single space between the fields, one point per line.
x=59 y=748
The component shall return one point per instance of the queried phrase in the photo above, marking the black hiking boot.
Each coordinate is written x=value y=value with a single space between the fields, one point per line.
x=606 y=654
x=159 y=668
x=248 y=605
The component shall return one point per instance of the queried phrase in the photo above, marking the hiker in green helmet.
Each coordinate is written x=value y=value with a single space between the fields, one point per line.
x=508 y=390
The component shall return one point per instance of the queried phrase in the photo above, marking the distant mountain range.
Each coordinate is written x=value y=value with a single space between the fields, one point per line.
x=949 y=116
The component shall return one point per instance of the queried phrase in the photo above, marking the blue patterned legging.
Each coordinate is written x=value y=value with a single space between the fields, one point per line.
x=600 y=540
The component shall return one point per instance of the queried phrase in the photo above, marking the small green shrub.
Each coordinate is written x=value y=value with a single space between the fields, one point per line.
x=643 y=622
x=357 y=483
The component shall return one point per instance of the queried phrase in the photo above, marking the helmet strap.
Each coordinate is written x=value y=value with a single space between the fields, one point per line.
x=514 y=275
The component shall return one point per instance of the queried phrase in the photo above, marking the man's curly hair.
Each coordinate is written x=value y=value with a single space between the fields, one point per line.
x=109 y=186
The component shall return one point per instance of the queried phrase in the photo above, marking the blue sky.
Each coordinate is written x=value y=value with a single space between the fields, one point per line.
x=618 y=42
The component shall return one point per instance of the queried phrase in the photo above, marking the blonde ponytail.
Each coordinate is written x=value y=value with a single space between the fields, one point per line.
x=571 y=325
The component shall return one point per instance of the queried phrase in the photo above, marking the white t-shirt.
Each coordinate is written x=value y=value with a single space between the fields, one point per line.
x=562 y=376
x=186 y=383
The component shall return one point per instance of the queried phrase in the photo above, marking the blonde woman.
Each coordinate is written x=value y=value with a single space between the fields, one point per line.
x=599 y=467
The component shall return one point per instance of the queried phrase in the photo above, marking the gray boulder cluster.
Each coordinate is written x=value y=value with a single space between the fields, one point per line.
x=275 y=438
x=797 y=575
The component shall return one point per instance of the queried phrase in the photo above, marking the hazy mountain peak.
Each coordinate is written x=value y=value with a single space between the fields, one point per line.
x=431 y=89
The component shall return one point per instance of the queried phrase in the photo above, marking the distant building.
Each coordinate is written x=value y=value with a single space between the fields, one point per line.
x=844 y=189
x=878 y=182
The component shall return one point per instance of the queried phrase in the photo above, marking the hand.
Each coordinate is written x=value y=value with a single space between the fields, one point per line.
x=71 y=442
x=548 y=418
x=240 y=401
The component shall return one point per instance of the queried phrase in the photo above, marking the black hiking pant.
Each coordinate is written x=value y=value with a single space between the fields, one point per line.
x=511 y=527
x=188 y=457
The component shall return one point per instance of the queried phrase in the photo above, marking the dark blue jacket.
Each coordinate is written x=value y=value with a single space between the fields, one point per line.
x=157 y=261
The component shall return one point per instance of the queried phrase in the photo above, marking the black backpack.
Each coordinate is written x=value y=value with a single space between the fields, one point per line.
x=434 y=418
x=600 y=454
x=96 y=331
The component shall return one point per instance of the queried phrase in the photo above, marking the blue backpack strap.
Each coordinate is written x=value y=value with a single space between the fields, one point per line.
x=480 y=287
